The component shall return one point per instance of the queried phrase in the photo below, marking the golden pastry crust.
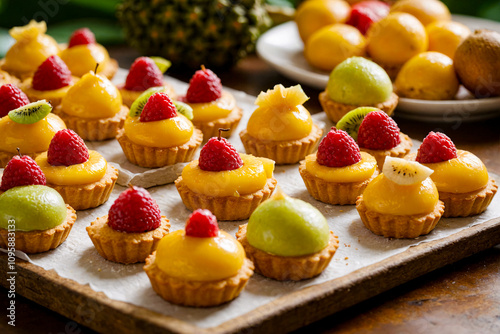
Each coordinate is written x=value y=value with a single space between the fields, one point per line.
x=36 y=95
x=400 y=151
x=123 y=247
x=87 y=196
x=6 y=78
x=282 y=152
x=335 y=110
x=41 y=241
x=5 y=157
x=152 y=157
x=129 y=96
x=94 y=129
x=468 y=204
x=333 y=192
x=392 y=226
x=226 y=207
x=211 y=129
x=284 y=268
x=197 y=293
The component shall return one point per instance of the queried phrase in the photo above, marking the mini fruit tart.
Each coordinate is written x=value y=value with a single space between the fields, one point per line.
x=51 y=82
x=82 y=177
x=36 y=213
x=338 y=173
x=281 y=128
x=30 y=50
x=357 y=82
x=460 y=177
x=376 y=133
x=83 y=54
x=131 y=230
x=93 y=108
x=402 y=202
x=29 y=128
x=288 y=239
x=158 y=135
x=144 y=74
x=200 y=266
x=228 y=183
x=213 y=107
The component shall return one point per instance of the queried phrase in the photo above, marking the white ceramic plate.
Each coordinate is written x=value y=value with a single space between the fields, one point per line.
x=282 y=48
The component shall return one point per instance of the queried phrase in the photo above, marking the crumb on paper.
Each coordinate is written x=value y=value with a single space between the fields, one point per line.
x=346 y=258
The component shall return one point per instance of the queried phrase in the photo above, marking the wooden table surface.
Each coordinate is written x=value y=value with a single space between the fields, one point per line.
x=460 y=298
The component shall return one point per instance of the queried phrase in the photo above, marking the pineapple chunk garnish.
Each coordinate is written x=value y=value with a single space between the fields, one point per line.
x=29 y=31
x=282 y=98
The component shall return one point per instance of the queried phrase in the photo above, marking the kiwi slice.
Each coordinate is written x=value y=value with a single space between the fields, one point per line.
x=140 y=102
x=351 y=121
x=184 y=109
x=31 y=113
x=162 y=63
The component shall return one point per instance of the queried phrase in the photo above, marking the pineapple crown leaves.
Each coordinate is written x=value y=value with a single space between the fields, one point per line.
x=282 y=98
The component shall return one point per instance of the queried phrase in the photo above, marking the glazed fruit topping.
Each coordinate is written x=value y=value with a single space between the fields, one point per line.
x=158 y=107
x=143 y=74
x=81 y=36
x=378 y=132
x=365 y=13
x=205 y=86
x=436 y=147
x=52 y=74
x=134 y=211
x=67 y=148
x=219 y=155
x=202 y=224
x=11 y=98
x=338 y=149
x=22 y=170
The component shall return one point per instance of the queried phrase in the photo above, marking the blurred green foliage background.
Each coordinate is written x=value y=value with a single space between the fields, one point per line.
x=64 y=16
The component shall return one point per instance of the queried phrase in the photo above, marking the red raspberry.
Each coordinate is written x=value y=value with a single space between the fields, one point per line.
x=67 y=148
x=11 y=98
x=218 y=155
x=52 y=74
x=158 y=107
x=378 y=132
x=134 y=211
x=436 y=147
x=202 y=224
x=81 y=36
x=204 y=86
x=143 y=74
x=365 y=13
x=22 y=170
x=338 y=149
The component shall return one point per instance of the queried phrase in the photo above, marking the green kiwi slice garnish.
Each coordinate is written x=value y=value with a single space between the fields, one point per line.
x=31 y=113
x=185 y=109
x=162 y=63
x=140 y=102
x=351 y=121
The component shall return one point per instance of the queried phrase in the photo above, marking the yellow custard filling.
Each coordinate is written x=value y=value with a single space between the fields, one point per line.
x=88 y=172
x=357 y=172
x=30 y=138
x=199 y=259
x=277 y=125
x=249 y=178
x=82 y=59
x=386 y=197
x=210 y=111
x=170 y=132
x=462 y=174
x=92 y=97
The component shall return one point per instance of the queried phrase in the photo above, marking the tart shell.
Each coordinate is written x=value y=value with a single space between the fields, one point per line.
x=227 y=207
x=282 y=152
x=400 y=151
x=32 y=242
x=211 y=129
x=123 y=247
x=468 y=204
x=395 y=226
x=197 y=293
x=283 y=268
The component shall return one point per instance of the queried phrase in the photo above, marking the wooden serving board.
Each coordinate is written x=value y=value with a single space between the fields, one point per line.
x=289 y=312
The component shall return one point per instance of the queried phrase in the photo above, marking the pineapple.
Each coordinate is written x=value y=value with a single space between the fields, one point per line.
x=216 y=33
x=281 y=98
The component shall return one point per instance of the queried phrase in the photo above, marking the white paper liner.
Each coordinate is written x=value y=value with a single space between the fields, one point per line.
x=78 y=260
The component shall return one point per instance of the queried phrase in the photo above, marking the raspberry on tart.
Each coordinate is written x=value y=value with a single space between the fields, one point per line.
x=158 y=107
x=436 y=147
x=338 y=172
x=204 y=86
x=81 y=36
x=202 y=224
x=11 y=98
x=131 y=230
x=22 y=170
x=66 y=149
x=218 y=155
